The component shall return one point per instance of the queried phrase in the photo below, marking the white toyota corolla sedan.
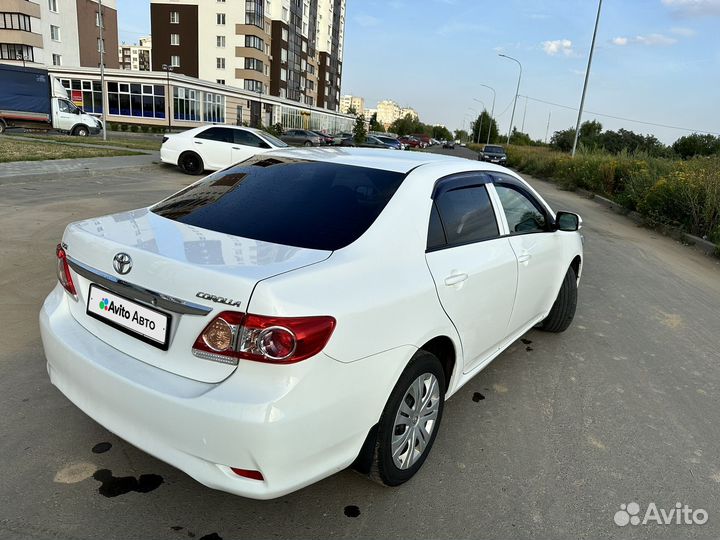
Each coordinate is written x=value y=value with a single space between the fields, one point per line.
x=304 y=311
x=210 y=148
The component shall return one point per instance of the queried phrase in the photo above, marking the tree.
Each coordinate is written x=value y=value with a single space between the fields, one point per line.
x=441 y=133
x=563 y=139
x=520 y=138
x=485 y=122
x=461 y=135
x=409 y=125
x=375 y=125
x=359 y=131
x=697 y=145
x=352 y=110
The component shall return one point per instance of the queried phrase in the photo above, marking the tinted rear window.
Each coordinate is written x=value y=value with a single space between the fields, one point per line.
x=307 y=204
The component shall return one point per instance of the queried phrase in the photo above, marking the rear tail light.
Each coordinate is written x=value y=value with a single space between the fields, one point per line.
x=232 y=336
x=63 y=271
x=253 y=475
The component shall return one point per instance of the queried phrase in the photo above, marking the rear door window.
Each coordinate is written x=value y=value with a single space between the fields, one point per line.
x=286 y=201
x=467 y=215
x=219 y=134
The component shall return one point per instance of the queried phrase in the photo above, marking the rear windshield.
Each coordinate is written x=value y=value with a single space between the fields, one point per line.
x=285 y=201
x=494 y=150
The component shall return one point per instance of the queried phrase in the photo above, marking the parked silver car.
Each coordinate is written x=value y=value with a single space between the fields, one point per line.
x=302 y=137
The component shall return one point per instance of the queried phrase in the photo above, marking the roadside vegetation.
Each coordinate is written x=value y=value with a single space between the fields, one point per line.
x=113 y=140
x=15 y=150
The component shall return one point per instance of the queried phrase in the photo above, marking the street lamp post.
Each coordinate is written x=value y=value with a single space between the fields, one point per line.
x=492 y=112
x=477 y=141
x=101 y=23
x=587 y=76
x=517 y=90
x=167 y=68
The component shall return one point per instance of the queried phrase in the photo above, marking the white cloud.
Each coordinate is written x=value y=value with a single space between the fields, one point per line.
x=556 y=46
x=367 y=20
x=695 y=8
x=685 y=32
x=650 y=40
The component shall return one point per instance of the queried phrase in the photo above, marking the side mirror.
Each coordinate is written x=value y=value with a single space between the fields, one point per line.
x=567 y=221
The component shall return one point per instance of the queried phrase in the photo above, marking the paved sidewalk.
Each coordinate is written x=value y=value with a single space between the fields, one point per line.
x=17 y=169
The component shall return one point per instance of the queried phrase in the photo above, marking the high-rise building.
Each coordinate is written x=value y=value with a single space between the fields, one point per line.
x=388 y=111
x=352 y=102
x=136 y=57
x=287 y=48
x=58 y=32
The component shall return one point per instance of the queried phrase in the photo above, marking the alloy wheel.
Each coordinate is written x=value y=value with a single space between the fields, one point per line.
x=415 y=420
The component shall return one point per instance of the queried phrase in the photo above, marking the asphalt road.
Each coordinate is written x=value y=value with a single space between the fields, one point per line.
x=547 y=442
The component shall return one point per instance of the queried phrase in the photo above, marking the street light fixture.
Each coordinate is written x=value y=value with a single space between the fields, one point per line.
x=167 y=68
x=587 y=76
x=517 y=90
x=492 y=112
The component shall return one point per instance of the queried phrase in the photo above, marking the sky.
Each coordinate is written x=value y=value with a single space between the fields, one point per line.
x=655 y=61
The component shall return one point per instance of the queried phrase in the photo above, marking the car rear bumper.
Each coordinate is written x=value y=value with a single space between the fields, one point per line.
x=296 y=424
x=168 y=155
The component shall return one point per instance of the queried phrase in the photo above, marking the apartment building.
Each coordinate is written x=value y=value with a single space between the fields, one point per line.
x=57 y=32
x=355 y=103
x=136 y=57
x=291 y=49
x=388 y=111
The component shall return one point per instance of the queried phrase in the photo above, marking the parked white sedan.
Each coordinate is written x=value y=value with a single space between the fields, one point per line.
x=304 y=310
x=211 y=148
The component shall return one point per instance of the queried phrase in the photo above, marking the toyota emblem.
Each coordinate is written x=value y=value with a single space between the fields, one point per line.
x=122 y=263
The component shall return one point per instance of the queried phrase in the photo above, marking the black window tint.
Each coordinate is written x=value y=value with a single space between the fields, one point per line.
x=284 y=201
x=246 y=138
x=522 y=215
x=217 y=134
x=436 y=233
x=467 y=215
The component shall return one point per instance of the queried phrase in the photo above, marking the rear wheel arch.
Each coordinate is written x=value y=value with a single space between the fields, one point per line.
x=444 y=348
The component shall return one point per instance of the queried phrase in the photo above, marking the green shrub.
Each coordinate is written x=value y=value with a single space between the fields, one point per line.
x=134 y=128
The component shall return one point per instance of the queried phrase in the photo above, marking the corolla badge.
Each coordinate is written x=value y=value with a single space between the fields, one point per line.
x=122 y=263
x=218 y=299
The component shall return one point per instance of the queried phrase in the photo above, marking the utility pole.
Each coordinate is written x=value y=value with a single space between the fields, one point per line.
x=517 y=90
x=168 y=69
x=524 y=113
x=587 y=76
x=101 y=23
x=492 y=112
x=547 y=129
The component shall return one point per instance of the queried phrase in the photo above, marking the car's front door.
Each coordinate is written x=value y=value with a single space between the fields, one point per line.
x=473 y=266
x=65 y=115
x=215 y=146
x=537 y=248
x=247 y=145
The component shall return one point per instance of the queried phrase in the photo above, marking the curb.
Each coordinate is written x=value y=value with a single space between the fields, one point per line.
x=77 y=173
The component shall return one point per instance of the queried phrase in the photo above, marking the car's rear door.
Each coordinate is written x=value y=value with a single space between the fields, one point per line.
x=215 y=146
x=536 y=246
x=472 y=263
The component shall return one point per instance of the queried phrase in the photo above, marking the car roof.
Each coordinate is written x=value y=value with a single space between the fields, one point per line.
x=388 y=160
x=207 y=126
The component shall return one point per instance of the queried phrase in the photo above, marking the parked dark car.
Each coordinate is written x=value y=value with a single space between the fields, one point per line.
x=449 y=144
x=493 y=153
x=327 y=139
x=370 y=142
x=302 y=137
x=391 y=142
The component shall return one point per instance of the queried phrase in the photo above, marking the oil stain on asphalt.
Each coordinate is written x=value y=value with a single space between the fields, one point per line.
x=477 y=396
x=101 y=448
x=352 y=511
x=112 y=486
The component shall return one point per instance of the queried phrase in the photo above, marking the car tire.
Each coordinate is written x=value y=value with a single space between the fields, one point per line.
x=81 y=131
x=2 y=127
x=424 y=374
x=308 y=143
x=191 y=163
x=563 y=310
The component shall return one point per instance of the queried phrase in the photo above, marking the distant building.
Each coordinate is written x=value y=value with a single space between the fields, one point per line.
x=291 y=49
x=136 y=57
x=57 y=32
x=388 y=111
x=352 y=102
x=408 y=111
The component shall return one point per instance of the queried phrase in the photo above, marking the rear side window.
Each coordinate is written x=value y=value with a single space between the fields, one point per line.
x=467 y=215
x=217 y=134
x=285 y=201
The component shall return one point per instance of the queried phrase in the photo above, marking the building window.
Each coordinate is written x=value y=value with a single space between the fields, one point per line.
x=283 y=55
x=254 y=64
x=135 y=99
x=57 y=60
x=220 y=18
x=214 y=108
x=12 y=51
x=220 y=81
x=220 y=40
x=174 y=17
x=98 y=20
x=309 y=100
x=311 y=85
x=186 y=104
x=254 y=42
x=253 y=85
x=311 y=69
x=304 y=46
x=284 y=34
x=254 y=13
x=220 y=63
x=15 y=21
x=53 y=5
x=55 y=33
x=100 y=45
x=285 y=14
x=175 y=61
x=174 y=39
x=283 y=74
x=84 y=93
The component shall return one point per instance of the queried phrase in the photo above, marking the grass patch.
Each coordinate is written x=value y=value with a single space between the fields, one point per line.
x=113 y=140
x=14 y=150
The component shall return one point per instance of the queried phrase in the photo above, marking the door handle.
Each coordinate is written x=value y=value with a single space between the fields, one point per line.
x=197 y=142
x=236 y=148
x=525 y=257
x=454 y=279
